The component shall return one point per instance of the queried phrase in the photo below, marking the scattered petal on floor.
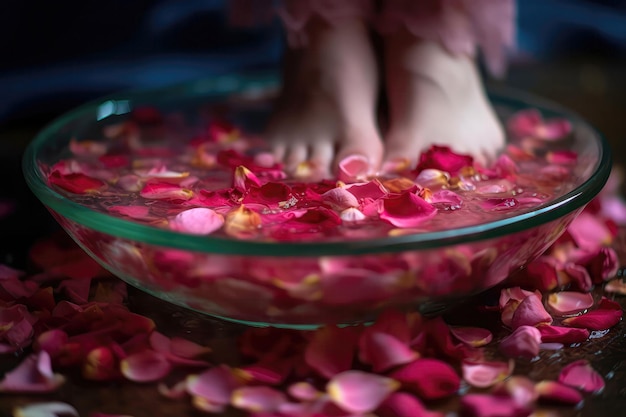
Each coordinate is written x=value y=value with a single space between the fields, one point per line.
x=580 y=374
x=360 y=392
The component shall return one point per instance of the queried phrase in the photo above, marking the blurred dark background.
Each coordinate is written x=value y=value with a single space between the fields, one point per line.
x=55 y=55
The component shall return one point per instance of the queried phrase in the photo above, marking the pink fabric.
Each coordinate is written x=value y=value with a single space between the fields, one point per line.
x=461 y=26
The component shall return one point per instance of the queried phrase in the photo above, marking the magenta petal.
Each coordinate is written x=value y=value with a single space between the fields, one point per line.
x=580 y=374
x=369 y=190
x=51 y=341
x=522 y=343
x=524 y=122
x=486 y=405
x=359 y=392
x=145 y=366
x=393 y=322
x=486 y=374
x=215 y=386
x=401 y=404
x=429 y=378
x=553 y=392
x=187 y=349
x=328 y=357
x=530 y=312
x=197 y=221
x=304 y=391
x=499 y=204
x=444 y=159
x=134 y=212
x=472 y=336
x=520 y=388
x=565 y=335
x=383 y=351
x=33 y=375
x=607 y=315
x=257 y=399
x=562 y=157
x=406 y=210
x=569 y=302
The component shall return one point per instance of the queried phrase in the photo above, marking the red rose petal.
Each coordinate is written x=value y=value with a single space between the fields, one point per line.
x=353 y=168
x=155 y=190
x=552 y=392
x=486 y=405
x=76 y=183
x=431 y=379
x=530 y=312
x=328 y=357
x=359 y=392
x=606 y=315
x=580 y=374
x=100 y=364
x=401 y=404
x=406 y=210
x=444 y=159
x=383 y=351
x=522 y=343
x=340 y=199
x=565 y=335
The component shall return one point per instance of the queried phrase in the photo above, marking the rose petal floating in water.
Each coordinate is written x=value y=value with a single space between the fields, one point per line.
x=607 y=314
x=530 y=123
x=444 y=159
x=406 y=210
x=197 y=221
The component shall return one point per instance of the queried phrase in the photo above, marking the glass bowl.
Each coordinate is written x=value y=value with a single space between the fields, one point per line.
x=299 y=284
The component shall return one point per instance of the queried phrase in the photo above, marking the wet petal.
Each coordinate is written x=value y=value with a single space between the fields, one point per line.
x=383 y=351
x=486 y=405
x=486 y=374
x=499 y=204
x=522 y=343
x=530 y=312
x=45 y=409
x=565 y=335
x=369 y=190
x=145 y=366
x=562 y=157
x=244 y=179
x=401 y=404
x=197 y=221
x=606 y=315
x=580 y=374
x=33 y=375
x=444 y=159
x=326 y=356
x=429 y=378
x=359 y=392
x=406 y=210
x=155 y=190
x=472 y=336
x=76 y=183
x=566 y=303
x=134 y=212
x=352 y=214
x=553 y=392
x=433 y=178
x=271 y=194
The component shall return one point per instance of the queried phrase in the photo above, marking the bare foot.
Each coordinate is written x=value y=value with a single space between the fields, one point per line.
x=435 y=98
x=327 y=108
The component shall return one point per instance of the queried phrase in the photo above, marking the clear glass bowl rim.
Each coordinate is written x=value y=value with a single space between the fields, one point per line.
x=221 y=86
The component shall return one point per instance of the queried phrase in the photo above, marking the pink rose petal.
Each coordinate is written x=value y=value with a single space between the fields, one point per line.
x=530 y=312
x=401 y=404
x=304 y=391
x=76 y=183
x=100 y=364
x=406 y=210
x=258 y=399
x=429 y=378
x=271 y=194
x=562 y=157
x=134 y=212
x=383 y=351
x=145 y=366
x=155 y=190
x=472 y=336
x=197 y=221
x=351 y=215
x=589 y=231
x=326 y=355
x=486 y=374
x=520 y=388
x=522 y=343
x=565 y=335
x=45 y=409
x=369 y=190
x=340 y=199
x=580 y=374
x=530 y=123
x=553 y=392
x=215 y=385
x=33 y=375
x=353 y=168
x=359 y=392
x=569 y=302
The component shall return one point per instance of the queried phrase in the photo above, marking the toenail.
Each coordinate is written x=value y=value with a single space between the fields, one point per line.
x=353 y=167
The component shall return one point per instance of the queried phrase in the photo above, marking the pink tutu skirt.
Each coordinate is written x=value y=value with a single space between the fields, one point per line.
x=461 y=26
